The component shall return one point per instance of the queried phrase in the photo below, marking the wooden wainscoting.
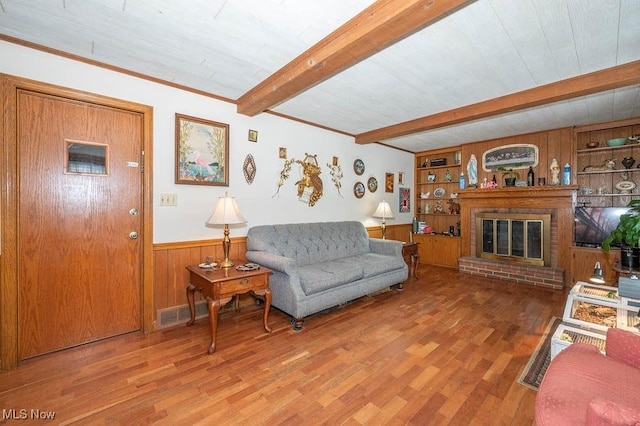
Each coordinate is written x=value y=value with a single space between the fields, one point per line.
x=170 y=260
x=400 y=232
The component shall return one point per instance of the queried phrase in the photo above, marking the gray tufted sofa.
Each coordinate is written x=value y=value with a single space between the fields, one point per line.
x=317 y=266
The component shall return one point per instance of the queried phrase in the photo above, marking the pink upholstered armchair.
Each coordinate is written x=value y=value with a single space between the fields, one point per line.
x=584 y=387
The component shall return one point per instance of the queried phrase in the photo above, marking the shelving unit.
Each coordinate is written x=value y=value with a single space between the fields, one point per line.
x=440 y=249
x=603 y=182
x=433 y=180
x=584 y=258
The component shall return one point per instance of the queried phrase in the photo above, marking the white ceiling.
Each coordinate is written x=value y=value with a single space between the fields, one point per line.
x=485 y=50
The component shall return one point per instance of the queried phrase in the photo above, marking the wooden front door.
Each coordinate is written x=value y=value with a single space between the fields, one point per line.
x=80 y=203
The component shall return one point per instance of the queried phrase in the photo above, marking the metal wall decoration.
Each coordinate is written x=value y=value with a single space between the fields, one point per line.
x=249 y=169
x=202 y=148
x=310 y=186
x=336 y=174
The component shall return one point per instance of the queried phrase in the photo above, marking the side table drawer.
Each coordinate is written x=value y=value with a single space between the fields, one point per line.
x=241 y=285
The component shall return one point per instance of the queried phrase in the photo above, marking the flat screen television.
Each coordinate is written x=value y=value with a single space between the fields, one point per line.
x=593 y=224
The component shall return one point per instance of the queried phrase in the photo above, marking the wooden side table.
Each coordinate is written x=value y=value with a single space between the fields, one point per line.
x=411 y=249
x=220 y=286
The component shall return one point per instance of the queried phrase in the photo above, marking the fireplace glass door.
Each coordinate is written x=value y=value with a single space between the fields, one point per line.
x=517 y=238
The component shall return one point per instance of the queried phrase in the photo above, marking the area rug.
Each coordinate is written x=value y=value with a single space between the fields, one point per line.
x=533 y=372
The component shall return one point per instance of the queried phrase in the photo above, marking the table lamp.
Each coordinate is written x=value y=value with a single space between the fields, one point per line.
x=226 y=213
x=598 y=275
x=383 y=211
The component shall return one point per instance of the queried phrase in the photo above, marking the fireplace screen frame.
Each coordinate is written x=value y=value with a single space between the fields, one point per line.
x=525 y=219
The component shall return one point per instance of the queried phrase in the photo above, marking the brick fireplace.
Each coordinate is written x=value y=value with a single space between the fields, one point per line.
x=556 y=201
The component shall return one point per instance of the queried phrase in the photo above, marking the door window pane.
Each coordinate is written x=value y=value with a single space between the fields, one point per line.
x=86 y=158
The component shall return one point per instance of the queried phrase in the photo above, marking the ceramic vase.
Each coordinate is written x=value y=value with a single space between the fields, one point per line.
x=628 y=162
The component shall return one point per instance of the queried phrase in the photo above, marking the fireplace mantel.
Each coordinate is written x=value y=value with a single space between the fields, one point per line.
x=558 y=198
x=550 y=191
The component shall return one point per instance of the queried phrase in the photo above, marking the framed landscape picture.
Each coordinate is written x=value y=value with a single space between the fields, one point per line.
x=202 y=151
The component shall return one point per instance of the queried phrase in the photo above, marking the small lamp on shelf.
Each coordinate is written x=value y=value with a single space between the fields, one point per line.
x=226 y=213
x=383 y=211
x=598 y=275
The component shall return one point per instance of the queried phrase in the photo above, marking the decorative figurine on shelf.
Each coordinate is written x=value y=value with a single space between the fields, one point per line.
x=555 y=172
x=427 y=208
x=608 y=164
x=625 y=186
x=472 y=171
x=439 y=208
x=453 y=207
x=447 y=176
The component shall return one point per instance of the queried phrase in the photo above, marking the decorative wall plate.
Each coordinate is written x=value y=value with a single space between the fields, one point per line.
x=249 y=168
x=358 y=167
x=372 y=184
x=439 y=192
x=358 y=189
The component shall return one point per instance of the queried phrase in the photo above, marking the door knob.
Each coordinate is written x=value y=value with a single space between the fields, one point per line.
x=133 y=235
x=133 y=212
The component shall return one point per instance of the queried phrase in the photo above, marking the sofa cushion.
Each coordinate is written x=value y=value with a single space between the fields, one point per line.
x=325 y=275
x=375 y=264
x=623 y=346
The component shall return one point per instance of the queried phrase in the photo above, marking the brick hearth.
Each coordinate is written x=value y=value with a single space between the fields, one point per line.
x=553 y=200
x=521 y=273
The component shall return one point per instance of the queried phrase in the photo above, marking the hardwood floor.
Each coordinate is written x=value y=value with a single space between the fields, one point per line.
x=445 y=350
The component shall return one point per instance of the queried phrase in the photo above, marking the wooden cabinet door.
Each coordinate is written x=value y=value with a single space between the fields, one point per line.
x=438 y=250
x=79 y=265
x=583 y=261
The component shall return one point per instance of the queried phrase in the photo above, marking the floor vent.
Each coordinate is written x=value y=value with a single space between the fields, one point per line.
x=180 y=314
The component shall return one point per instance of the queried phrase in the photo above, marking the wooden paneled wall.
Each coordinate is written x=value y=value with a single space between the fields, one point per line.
x=171 y=259
x=551 y=144
x=558 y=144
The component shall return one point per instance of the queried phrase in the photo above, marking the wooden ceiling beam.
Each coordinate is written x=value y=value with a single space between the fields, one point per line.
x=380 y=25
x=587 y=84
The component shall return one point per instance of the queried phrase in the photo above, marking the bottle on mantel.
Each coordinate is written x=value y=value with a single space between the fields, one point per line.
x=530 y=177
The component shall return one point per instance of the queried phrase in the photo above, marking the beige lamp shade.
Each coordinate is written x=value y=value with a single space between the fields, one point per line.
x=383 y=211
x=226 y=212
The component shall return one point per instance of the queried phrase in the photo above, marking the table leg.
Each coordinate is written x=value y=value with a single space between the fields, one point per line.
x=267 y=307
x=214 y=309
x=191 y=289
x=415 y=261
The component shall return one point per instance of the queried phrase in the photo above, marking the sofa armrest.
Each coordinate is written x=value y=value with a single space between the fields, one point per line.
x=603 y=412
x=286 y=265
x=388 y=247
x=623 y=346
